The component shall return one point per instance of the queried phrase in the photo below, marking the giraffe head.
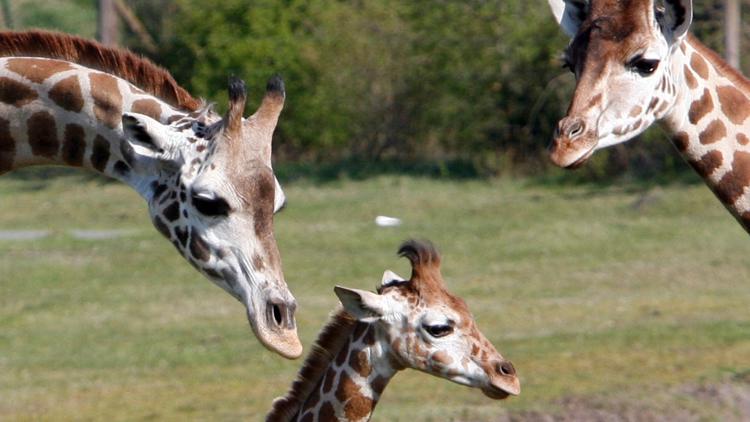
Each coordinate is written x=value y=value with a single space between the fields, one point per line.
x=621 y=55
x=425 y=327
x=211 y=191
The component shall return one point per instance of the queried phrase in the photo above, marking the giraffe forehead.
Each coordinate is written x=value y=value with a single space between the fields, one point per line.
x=613 y=29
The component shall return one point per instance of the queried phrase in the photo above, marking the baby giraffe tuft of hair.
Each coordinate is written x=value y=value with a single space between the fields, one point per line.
x=414 y=323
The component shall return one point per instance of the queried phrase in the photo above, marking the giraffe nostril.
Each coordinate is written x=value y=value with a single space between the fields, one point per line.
x=575 y=129
x=506 y=368
x=277 y=315
x=280 y=314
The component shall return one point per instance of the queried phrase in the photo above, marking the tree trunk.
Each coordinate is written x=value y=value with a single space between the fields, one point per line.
x=108 y=24
x=6 y=15
x=732 y=32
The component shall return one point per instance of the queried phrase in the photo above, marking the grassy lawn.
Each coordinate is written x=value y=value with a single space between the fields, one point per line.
x=599 y=295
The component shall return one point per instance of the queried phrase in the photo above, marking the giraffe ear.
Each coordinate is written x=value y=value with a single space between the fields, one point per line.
x=145 y=132
x=569 y=14
x=676 y=18
x=363 y=305
x=147 y=140
x=389 y=277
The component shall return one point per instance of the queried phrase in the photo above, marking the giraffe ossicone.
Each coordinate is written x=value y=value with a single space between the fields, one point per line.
x=635 y=64
x=414 y=323
x=207 y=178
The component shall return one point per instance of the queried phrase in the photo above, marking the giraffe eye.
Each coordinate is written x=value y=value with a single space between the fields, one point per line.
x=210 y=206
x=643 y=66
x=440 y=330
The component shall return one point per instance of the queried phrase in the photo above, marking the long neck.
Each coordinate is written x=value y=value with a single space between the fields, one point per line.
x=353 y=381
x=56 y=112
x=710 y=126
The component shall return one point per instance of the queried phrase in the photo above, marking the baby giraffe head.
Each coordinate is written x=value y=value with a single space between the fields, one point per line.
x=212 y=192
x=423 y=326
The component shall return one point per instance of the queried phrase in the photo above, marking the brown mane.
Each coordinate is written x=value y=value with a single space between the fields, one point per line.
x=724 y=68
x=330 y=340
x=135 y=69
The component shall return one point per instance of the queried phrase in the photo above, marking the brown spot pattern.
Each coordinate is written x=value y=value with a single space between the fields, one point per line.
x=100 y=153
x=713 y=132
x=74 y=145
x=182 y=235
x=67 y=94
x=699 y=65
x=107 y=99
x=263 y=205
x=681 y=140
x=595 y=100
x=198 y=247
x=148 y=107
x=690 y=79
x=733 y=184
x=42 y=131
x=442 y=358
x=7 y=147
x=37 y=70
x=734 y=103
x=16 y=93
x=700 y=107
x=172 y=212
x=636 y=111
x=328 y=382
x=356 y=406
x=327 y=412
x=708 y=163
x=742 y=139
x=358 y=361
x=161 y=227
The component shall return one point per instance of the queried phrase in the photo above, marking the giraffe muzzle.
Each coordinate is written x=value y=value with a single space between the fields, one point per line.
x=503 y=382
x=573 y=143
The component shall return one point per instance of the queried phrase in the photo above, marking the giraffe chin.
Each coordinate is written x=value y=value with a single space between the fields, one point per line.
x=283 y=341
x=581 y=160
x=495 y=393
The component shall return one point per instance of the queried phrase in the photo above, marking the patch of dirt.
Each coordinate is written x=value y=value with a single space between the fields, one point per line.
x=723 y=401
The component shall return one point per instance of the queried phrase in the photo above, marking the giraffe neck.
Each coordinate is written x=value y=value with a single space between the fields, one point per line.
x=56 y=112
x=710 y=126
x=354 y=380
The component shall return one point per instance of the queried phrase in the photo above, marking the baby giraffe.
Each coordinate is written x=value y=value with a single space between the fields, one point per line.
x=413 y=323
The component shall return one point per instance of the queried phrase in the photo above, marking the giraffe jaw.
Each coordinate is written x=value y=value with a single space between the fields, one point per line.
x=502 y=389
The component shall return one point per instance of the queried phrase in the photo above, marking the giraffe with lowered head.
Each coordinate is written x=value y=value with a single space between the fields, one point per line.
x=635 y=64
x=413 y=323
x=207 y=178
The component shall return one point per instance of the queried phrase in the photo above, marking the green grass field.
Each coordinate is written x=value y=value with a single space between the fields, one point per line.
x=607 y=299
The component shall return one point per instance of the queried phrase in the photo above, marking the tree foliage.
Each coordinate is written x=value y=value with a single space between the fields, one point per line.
x=478 y=81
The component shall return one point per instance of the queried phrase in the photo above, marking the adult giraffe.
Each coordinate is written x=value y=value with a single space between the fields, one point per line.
x=413 y=323
x=207 y=179
x=635 y=64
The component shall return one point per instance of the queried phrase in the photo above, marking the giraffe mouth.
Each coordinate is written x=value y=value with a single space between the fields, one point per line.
x=581 y=160
x=496 y=393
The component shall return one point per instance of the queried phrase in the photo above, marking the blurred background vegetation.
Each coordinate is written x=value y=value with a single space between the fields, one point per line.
x=447 y=87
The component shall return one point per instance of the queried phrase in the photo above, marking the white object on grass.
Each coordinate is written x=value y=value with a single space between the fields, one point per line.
x=384 y=221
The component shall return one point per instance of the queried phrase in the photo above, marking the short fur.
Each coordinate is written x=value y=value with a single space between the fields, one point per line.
x=137 y=70
x=330 y=340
